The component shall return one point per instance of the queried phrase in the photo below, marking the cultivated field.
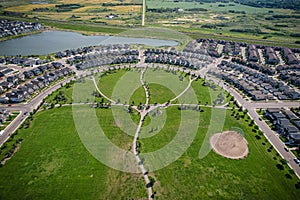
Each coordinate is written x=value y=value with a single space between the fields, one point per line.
x=217 y=20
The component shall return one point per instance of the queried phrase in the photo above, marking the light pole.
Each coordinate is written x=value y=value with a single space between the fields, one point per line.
x=144 y=13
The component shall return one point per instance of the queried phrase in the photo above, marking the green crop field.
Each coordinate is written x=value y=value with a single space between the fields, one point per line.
x=52 y=163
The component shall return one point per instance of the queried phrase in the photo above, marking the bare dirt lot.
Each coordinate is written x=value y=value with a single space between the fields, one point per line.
x=230 y=144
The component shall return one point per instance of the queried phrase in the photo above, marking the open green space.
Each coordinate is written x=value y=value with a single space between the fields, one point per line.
x=159 y=94
x=215 y=177
x=61 y=96
x=52 y=163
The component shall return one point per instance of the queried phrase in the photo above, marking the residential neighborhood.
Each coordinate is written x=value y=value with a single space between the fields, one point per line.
x=10 y=28
x=256 y=85
x=18 y=87
x=150 y=99
x=286 y=123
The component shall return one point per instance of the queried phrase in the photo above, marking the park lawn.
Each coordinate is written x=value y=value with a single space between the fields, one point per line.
x=114 y=133
x=52 y=164
x=139 y=96
x=164 y=136
x=202 y=92
x=160 y=94
x=215 y=177
x=66 y=91
x=108 y=82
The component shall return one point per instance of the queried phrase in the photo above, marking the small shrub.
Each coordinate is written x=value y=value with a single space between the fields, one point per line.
x=288 y=176
x=280 y=167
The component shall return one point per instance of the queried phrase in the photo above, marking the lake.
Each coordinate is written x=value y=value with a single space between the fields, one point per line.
x=54 y=41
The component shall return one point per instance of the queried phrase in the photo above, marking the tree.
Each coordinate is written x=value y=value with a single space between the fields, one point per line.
x=280 y=167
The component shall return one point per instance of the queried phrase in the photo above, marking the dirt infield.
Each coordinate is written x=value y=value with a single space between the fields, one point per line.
x=229 y=144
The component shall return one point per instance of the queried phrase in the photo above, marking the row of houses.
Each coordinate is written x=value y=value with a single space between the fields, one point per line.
x=14 y=80
x=254 y=65
x=256 y=85
x=9 y=28
x=42 y=69
x=271 y=56
x=90 y=49
x=295 y=67
x=70 y=52
x=290 y=76
x=100 y=56
x=286 y=123
x=183 y=59
x=210 y=47
x=5 y=71
x=289 y=56
x=185 y=54
x=231 y=49
x=22 y=61
x=252 y=53
x=22 y=92
x=203 y=46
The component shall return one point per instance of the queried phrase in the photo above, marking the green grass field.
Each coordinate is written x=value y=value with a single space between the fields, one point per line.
x=52 y=162
x=215 y=177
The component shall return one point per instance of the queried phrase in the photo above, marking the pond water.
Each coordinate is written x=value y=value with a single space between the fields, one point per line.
x=53 y=41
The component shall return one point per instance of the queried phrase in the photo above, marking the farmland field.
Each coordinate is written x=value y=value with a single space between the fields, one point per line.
x=217 y=20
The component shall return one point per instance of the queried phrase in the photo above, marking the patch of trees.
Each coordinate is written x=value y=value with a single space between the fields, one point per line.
x=196 y=9
x=67 y=7
x=297 y=185
x=287 y=4
x=162 y=10
x=280 y=166
x=295 y=35
x=237 y=12
x=271 y=28
x=121 y=4
x=97 y=10
x=13 y=14
x=286 y=16
x=41 y=9
x=248 y=30
x=210 y=26
x=281 y=25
